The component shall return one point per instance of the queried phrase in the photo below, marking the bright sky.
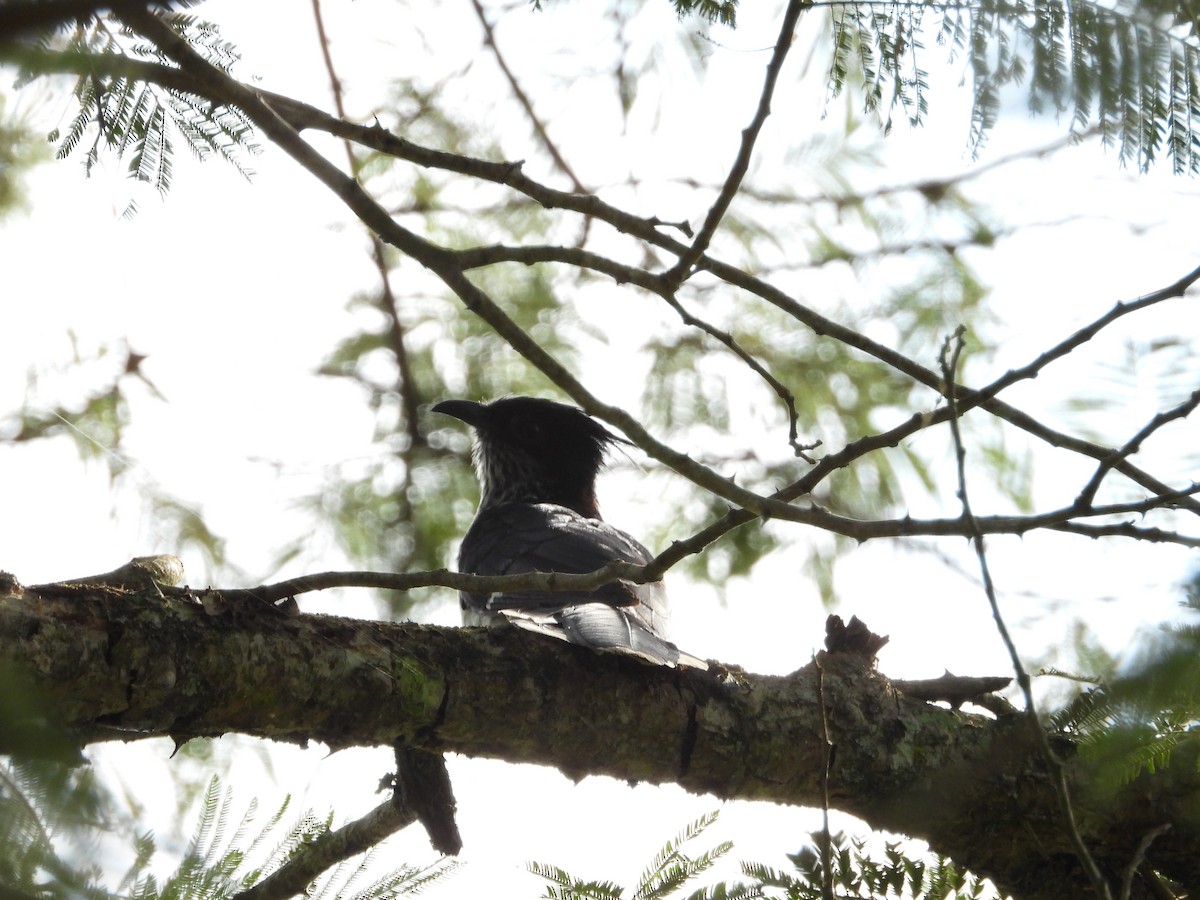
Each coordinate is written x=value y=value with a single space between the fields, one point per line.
x=236 y=363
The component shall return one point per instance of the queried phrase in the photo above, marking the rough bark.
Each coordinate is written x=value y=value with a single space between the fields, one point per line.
x=118 y=663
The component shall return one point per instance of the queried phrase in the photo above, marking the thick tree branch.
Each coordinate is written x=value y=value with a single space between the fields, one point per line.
x=114 y=664
x=17 y=16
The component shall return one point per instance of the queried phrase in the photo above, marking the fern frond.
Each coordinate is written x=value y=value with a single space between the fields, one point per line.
x=723 y=12
x=670 y=851
x=272 y=824
x=138 y=121
x=571 y=888
x=1113 y=66
x=210 y=806
x=725 y=891
x=413 y=881
x=671 y=868
x=768 y=876
x=85 y=94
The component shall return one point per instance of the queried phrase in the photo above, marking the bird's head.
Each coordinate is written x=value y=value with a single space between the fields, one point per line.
x=529 y=450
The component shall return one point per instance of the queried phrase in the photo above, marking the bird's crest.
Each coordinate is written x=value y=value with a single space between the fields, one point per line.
x=533 y=450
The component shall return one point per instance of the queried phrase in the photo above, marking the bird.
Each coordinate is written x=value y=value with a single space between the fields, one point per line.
x=537 y=461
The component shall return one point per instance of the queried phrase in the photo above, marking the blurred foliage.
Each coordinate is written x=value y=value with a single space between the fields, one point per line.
x=20 y=150
x=667 y=874
x=1130 y=68
x=48 y=812
x=141 y=121
x=892 y=261
x=53 y=817
x=1146 y=711
x=856 y=871
x=896 y=258
x=86 y=401
x=898 y=871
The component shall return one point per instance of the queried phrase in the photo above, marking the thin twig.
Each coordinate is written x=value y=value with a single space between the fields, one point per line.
x=439 y=260
x=780 y=389
x=206 y=80
x=300 y=116
x=1139 y=856
x=625 y=274
x=489 y=38
x=951 y=351
x=868 y=529
x=985 y=398
x=938 y=186
x=402 y=581
x=1172 y=291
x=1130 y=447
x=675 y=276
x=826 y=838
x=654 y=571
x=405 y=383
x=1129 y=530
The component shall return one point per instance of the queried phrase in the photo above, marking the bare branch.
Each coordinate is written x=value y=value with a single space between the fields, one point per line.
x=1064 y=519
x=1083 y=335
x=407 y=581
x=439 y=260
x=1130 y=447
x=679 y=272
x=405 y=383
x=300 y=115
x=532 y=254
x=1129 y=530
x=780 y=389
x=967 y=398
x=951 y=351
x=1139 y=857
x=623 y=274
x=197 y=76
x=939 y=186
x=489 y=38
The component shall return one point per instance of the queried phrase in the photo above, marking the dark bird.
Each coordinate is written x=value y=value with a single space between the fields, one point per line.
x=537 y=463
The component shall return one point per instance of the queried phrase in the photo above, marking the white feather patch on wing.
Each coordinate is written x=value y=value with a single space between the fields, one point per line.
x=548 y=624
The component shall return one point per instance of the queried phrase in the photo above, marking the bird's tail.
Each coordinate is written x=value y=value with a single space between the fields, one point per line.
x=603 y=627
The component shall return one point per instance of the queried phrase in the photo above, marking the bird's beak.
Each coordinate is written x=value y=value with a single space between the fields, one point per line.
x=464 y=410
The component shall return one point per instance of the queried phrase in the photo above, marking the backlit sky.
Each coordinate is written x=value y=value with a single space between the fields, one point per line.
x=236 y=367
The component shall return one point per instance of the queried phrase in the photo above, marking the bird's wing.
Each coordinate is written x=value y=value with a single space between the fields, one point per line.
x=543 y=537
